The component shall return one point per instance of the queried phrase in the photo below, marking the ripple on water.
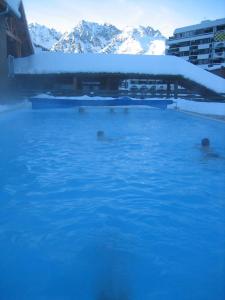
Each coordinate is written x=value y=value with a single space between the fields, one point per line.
x=137 y=216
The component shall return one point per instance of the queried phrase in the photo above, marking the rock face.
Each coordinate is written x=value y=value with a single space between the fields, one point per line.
x=90 y=37
x=87 y=37
x=44 y=38
x=140 y=40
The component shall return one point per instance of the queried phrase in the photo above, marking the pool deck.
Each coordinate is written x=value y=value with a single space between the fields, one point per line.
x=210 y=110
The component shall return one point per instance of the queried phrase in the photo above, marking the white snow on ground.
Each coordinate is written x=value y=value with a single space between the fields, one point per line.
x=12 y=107
x=204 y=108
x=14 y=5
x=57 y=63
x=85 y=97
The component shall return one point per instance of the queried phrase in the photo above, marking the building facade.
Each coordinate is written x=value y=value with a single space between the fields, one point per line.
x=202 y=44
x=144 y=88
x=14 y=38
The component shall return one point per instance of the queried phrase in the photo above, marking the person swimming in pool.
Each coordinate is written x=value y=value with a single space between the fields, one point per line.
x=205 y=143
x=100 y=135
x=81 y=110
x=208 y=151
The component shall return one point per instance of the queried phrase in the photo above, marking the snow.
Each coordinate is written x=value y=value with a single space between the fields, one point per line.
x=12 y=107
x=85 y=97
x=204 y=108
x=91 y=37
x=14 y=5
x=137 y=40
x=157 y=47
x=64 y=63
x=43 y=36
x=86 y=37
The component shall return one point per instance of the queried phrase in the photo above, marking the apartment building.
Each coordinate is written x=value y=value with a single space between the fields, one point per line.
x=202 y=44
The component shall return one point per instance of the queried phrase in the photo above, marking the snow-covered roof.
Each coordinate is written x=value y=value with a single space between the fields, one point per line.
x=14 y=6
x=64 y=63
x=203 y=24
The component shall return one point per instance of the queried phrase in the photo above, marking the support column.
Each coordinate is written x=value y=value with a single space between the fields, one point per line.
x=176 y=90
x=108 y=84
x=168 y=90
x=75 y=83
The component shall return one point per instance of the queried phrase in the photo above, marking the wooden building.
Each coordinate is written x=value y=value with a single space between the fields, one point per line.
x=100 y=75
x=15 y=39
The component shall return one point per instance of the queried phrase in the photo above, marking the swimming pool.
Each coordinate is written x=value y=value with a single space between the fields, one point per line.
x=137 y=215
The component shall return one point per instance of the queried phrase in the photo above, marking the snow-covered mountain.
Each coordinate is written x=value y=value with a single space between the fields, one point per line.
x=140 y=40
x=43 y=38
x=90 y=37
x=87 y=37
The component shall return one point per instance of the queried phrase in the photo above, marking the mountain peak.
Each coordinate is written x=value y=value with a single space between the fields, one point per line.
x=43 y=37
x=93 y=37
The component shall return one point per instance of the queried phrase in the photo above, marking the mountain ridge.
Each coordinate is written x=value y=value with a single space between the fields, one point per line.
x=92 y=37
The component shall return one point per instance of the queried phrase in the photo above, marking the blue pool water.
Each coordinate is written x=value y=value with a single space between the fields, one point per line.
x=137 y=215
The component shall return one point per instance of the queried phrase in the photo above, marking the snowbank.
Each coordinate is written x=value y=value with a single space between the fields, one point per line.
x=59 y=63
x=205 y=108
x=12 y=107
x=85 y=97
x=14 y=5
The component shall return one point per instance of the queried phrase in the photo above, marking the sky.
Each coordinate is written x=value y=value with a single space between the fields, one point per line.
x=165 y=15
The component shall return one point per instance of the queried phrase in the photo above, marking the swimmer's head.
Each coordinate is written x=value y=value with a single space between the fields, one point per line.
x=81 y=110
x=205 y=142
x=100 y=134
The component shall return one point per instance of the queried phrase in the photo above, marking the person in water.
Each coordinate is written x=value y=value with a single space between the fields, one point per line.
x=81 y=110
x=205 y=143
x=100 y=135
x=209 y=153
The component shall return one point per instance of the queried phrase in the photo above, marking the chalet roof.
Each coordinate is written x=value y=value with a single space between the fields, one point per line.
x=14 y=6
x=65 y=63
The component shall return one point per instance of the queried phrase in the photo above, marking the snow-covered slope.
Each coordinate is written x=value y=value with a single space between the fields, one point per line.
x=44 y=37
x=140 y=40
x=90 y=37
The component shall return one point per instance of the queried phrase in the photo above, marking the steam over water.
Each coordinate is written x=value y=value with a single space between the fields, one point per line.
x=135 y=215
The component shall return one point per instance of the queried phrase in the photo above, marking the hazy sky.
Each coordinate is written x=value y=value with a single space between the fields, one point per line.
x=164 y=15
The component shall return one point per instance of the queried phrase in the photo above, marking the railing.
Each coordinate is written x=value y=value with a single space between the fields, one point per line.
x=172 y=38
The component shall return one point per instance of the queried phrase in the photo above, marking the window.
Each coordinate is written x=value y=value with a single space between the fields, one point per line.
x=219 y=60
x=201 y=41
x=220 y=28
x=204 y=31
x=203 y=61
x=184 y=53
